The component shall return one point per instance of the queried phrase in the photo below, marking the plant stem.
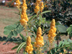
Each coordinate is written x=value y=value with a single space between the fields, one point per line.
x=26 y=30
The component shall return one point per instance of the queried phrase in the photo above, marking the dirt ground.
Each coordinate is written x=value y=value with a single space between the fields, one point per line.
x=7 y=16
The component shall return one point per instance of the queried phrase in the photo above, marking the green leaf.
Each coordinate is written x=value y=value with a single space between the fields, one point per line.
x=15 y=47
x=33 y=35
x=65 y=42
x=69 y=40
x=31 y=14
x=9 y=36
x=16 y=28
x=23 y=38
x=45 y=31
x=9 y=28
x=19 y=29
x=61 y=28
x=15 y=33
x=69 y=30
x=53 y=51
x=32 y=18
x=61 y=44
x=70 y=34
x=20 y=47
x=55 y=45
x=13 y=30
x=6 y=32
x=46 y=11
x=35 y=30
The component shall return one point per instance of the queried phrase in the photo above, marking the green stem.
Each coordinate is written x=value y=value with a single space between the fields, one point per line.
x=26 y=31
x=39 y=50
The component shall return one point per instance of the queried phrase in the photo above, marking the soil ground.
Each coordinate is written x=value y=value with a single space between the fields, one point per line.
x=7 y=16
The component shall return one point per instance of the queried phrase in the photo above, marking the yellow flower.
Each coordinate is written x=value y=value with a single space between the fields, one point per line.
x=53 y=22
x=41 y=6
x=54 y=29
x=38 y=1
x=36 y=9
x=24 y=4
x=24 y=1
x=29 y=47
x=23 y=9
x=24 y=18
x=29 y=2
x=64 y=50
x=51 y=33
x=39 y=31
x=60 y=53
x=18 y=3
x=45 y=5
x=39 y=39
x=23 y=22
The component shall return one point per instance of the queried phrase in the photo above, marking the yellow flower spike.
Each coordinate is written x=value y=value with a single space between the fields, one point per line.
x=53 y=22
x=18 y=3
x=39 y=31
x=24 y=1
x=36 y=9
x=24 y=4
x=41 y=6
x=23 y=22
x=23 y=10
x=29 y=47
x=24 y=15
x=51 y=33
x=38 y=1
x=54 y=29
x=39 y=39
x=28 y=41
